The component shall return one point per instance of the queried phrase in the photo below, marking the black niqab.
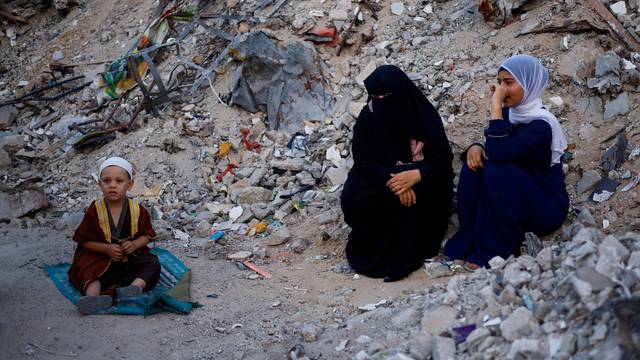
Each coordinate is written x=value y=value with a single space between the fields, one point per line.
x=402 y=115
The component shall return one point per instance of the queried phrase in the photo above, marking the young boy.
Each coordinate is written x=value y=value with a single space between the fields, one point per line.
x=112 y=257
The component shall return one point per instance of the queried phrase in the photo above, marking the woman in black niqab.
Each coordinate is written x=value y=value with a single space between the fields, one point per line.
x=397 y=196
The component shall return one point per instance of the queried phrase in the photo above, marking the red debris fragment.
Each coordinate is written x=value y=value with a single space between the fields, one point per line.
x=324 y=35
x=251 y=145
x=229 y=169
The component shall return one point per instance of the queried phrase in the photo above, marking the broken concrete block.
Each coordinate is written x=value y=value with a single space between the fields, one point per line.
x=16 y=205
x=397 y=8
x=606 y=64
x=437 y=320
x=589 y=179
x=8 y=116
x=619 y=106
x=520 y=323
x=443 y=348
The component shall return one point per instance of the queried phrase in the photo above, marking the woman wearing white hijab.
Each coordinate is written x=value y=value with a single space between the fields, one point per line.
x=514 y=183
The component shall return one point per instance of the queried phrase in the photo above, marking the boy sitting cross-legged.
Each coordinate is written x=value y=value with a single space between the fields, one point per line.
x=112 y=257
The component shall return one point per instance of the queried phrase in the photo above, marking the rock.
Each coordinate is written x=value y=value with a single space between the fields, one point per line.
x=437 y=320
x=279 y=237
x=328 y=216
x=106 y=36
x=298 y=246
x=435 y=28
x=437 y=269
x=443 y=348
x=339 y=14
x=609 y=260
x=526 y=348
x=305 y=179
x=515 y=275
x=8 y=116
x=561 y=346
x=355 y=107
x=405 y=318
x=477 y=336
x=366 y=71
x=260 y=210
x=337 y=175
x=611 y=244
x=529 y=26
x=291 y=164
x=397 y=8
x=203 y=229
x=309 y=332
x=250 y=195
x=596 y=280
x=619 y=8
x=63 y=5
x=362 y=355
x=634 y=260
x=342 y=345
x=57 y=55
x=496 y=262
x=599 y=332
x=9 y=145
x=16 y=205
x=556 y=102
x=421 y=346
x=70 y=220
x=588 y=181
x=520 y=323
x=240 y=255
x=606 y=64
x=363 y=339
x=619 y=106
x=257 y=175
x=235 y=213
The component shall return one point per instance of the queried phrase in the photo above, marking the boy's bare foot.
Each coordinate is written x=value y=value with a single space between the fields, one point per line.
x=92 y=304
x=129 y=291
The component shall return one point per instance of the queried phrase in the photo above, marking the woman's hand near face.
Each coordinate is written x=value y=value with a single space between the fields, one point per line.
x=408 y=198
x=498 y=93
x=403 y=181
x=475 y=157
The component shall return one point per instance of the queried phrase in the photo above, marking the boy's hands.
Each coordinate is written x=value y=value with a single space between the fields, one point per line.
x=129 y=247
x=115 y=252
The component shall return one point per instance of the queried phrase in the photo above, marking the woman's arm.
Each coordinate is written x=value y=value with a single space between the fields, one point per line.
x=528 y=144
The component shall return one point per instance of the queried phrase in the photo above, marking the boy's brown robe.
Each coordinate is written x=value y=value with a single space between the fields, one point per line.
x=87 y=265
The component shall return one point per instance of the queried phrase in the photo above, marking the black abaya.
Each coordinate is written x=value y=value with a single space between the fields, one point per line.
x=387 y=238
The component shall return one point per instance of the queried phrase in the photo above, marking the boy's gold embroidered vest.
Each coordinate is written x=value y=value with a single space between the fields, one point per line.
x=103 y=217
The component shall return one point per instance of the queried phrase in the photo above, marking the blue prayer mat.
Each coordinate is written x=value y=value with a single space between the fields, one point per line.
x=171 y=293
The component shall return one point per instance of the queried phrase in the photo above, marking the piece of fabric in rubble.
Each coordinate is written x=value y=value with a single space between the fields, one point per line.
x=499 y=12
x=117 y=80
x=286 y=83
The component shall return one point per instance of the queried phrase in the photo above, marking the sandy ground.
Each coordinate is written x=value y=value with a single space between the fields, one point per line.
x=37 y=322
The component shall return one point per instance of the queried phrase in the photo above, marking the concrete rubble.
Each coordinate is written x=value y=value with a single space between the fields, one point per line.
x=565 y=311
x=262 y=150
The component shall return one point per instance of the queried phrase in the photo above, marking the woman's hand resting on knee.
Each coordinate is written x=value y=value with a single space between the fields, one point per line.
x=403 y=181
x=408 y=197
x=475 y=157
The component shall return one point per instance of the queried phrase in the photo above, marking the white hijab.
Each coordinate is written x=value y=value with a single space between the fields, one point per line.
x=533 y=78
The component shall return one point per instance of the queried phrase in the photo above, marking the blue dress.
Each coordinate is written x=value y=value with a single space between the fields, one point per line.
x=516 y=192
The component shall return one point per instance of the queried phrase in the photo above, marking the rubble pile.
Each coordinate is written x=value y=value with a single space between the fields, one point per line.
x=560 y=304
